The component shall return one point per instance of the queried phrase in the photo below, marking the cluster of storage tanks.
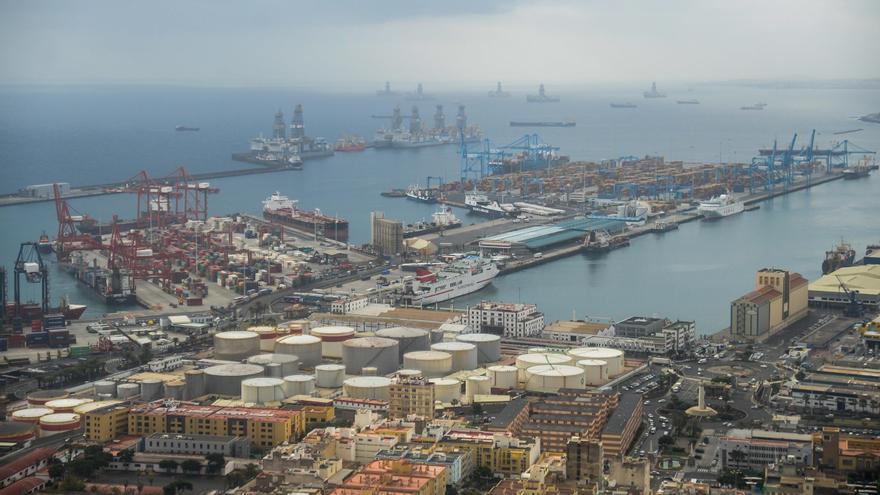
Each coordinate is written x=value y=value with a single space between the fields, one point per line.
x=49 y=412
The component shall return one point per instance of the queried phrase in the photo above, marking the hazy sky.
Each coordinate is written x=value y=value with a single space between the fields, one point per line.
x=346 y=43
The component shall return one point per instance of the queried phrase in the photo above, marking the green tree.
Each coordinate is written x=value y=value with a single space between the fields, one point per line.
x=665 y=441
x=125 y=456
x=234 y=479
x=168 y=465
x=56 y=470
x=191 y=466
x=72 y=484
x=216 y=461
x=737 y=456
x=251 y=470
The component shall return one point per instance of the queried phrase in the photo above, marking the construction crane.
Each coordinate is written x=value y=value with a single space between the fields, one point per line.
x=854 y=307
x=428 y=180
x=30 y=264
x=69 y=238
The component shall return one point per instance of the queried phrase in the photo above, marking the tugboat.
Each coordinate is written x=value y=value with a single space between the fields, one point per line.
x=841 y=256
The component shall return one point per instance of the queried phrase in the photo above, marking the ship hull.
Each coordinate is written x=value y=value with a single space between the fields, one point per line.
x=421 y=199
x=338 y=231
x=408 y=234
x=480 y=281
x=855 y=175
x=722 y=211
x=487 y=212
x=32 y=311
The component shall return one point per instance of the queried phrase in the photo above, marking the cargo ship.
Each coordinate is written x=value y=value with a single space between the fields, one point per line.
x=841 y=256
x=756 y=106
x=653 y=93
x=456 y=279
x=498 y=92
x=44 y=245
x=859 y=171
x=720 y=206
x=183 y=128
x=92 y=226
x=602 y=242
x=394 y=193
x=281 y=209
x=542 y=123
x=623 y=105
x=441 y=219
x=349 y=144
x=542 y=97
x=32 y=311
x=688 y=102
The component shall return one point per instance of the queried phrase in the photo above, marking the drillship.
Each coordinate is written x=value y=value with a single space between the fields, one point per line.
x=654 y=93
x=281 y=209
x=454 y=280
x=541 y=97
x=720 y=206
x=498 y=93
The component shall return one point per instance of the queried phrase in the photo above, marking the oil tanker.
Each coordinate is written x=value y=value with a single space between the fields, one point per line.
x=281 y=209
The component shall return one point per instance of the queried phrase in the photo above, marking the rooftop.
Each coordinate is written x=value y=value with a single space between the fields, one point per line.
x=24 y=461
x=547 y=235
x=579 y=327
x=863 y=278
x=511 y=410
x=190 y=409
x=622 y=413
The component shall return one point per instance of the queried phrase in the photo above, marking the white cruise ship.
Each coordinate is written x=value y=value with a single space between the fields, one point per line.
x=453 y=280
x=720 y=206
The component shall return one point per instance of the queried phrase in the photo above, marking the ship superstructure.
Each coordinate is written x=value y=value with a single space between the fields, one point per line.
x=416 y=135
x=720 y=206
x=289 y=145
x=653 y=93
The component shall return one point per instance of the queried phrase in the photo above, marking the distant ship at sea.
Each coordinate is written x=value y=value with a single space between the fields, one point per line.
x=653 y=93
x=623 y=105
x=542 y=97
x=688 y=102
x=542 y=123
x=756 y=106
x=498 y=92
x=419 y=95
x=387 y=91
x=182 y=128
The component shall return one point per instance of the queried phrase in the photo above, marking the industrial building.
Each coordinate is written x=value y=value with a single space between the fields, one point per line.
x=764 y=447
x=779 y=299
x=386 y=234
x=411 y=396
x=263 y=427
x=507 y=319
x=164 y=443
x=834 y=289
x=533 y=239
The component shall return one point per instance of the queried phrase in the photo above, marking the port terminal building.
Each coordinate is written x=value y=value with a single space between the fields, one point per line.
x=536 y=238
x=863 y=280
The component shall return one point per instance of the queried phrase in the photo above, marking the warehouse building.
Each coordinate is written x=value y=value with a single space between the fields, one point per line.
x=507 y=319
x=779 y=299
x=636 y=334
x=533 y=239
x=863 y=279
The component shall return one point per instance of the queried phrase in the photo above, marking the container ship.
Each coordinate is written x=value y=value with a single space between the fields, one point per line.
x=542 y=97
x=113 y=286
x=536 y=123
x=841 y=256
x=441 y=219
x=653 y=93
x=32 y=311
x=457 y=279
x=720 y=206
x=281 y=209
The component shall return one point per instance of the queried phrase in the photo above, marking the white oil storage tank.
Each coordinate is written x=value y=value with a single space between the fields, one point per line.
x=464 y=355
x=53 y=424
x=236 y=345
x=367 y=387
x=299 y=385
x=127 y=390
x=551 y=378
x=408 y=339
x=432 y=364
x=262 y=390
x=526 y=361
x=331 y=339
x=41 y=397
x=329 y=375
x=30 y=414
x=66 y=405
x=488 y=345
x=267 y=335
x=595 y=371
x=377 y=352
x=225 y=379
x=174 y=390
x=105 y=387
x=503 y=376
x=476 y=385
x=306 y=347
x=196 y=384
x=614 y=357
x=289 y=364
x=405 y=373
x=446 y=389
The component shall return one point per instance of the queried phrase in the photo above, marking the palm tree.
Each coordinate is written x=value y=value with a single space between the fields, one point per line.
x=737 y=456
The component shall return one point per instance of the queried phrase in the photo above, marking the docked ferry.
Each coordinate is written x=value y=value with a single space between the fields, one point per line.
x=456 y=279
x=720 y=206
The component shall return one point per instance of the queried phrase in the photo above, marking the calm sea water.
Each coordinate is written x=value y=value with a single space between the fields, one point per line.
x=88 y=135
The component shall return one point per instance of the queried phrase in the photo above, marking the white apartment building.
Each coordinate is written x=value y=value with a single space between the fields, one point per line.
x=507 y=319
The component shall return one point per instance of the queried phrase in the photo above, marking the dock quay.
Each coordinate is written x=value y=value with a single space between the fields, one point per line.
x=13 y=199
